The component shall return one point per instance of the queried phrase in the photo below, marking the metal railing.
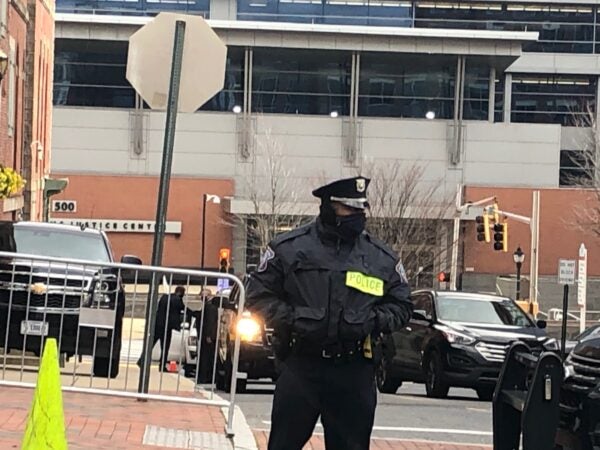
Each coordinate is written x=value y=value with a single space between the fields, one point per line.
x=98 y=321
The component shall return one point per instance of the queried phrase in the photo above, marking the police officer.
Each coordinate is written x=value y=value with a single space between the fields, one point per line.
x=329 y=289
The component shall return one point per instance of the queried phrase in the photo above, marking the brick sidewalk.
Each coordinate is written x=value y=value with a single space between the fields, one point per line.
x=317 y=443
x=96 y=422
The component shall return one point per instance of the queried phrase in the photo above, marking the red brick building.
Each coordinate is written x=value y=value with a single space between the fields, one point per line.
x=123 y=205
x=26 y=40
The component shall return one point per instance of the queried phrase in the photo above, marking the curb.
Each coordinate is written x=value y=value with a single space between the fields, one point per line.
x=243 y=438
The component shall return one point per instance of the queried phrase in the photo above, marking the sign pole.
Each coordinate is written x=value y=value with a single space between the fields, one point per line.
x=563 y=331
x=582 y=287
x=163 y=197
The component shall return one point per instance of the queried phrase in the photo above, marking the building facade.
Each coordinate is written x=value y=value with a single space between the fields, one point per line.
x=492 y=95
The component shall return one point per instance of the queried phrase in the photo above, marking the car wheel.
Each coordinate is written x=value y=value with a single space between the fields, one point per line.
x=435 y=385
x=386 y=383
x=485 y=393
x=240 y=386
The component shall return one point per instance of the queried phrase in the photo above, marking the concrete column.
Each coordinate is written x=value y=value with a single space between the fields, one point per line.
x=492 y=95
x=507 y=96
x=223 y=9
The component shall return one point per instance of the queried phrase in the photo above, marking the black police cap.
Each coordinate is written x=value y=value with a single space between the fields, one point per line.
x=351 y=192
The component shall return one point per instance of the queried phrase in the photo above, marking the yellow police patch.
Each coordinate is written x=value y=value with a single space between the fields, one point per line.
x=364 y=283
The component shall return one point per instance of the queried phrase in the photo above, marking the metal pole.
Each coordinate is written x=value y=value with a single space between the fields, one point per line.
x=455 y=240
x=163 y=196
x=518 y=293
x=535 y=241
x=203 y=228
x=563 y=332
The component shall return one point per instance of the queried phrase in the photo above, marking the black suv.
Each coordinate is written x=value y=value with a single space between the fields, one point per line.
x=456 y=339
x=81 y=306
x=257 y=359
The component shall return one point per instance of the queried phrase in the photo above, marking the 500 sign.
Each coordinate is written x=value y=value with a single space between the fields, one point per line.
x=64 y=206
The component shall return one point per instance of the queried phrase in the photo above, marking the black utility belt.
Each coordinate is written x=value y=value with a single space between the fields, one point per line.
x=343 y=351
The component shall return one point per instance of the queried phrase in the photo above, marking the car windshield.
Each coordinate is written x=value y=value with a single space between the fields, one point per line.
x=481 y=310
x=61 y=244
x=589 y=332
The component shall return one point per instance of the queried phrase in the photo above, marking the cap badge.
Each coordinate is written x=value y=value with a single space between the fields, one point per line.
x=361 y=185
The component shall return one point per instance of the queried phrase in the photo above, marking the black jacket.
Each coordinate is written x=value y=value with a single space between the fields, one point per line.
x=174 y=309
x=312 y=284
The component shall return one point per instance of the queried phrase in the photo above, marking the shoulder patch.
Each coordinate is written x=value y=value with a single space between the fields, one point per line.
x=304 y=229
x=400 y=271
x=267 y=256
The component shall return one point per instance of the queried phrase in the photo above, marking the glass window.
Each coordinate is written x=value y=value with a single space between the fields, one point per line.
x=91 y=73
x=576 y=168
x=406 y=85
x=300 y=81
x=233 y=92
x=566 y=100
x=481 y=310
x=134 y=7
x=562 y=28
x=477 y=91
x=347 y=12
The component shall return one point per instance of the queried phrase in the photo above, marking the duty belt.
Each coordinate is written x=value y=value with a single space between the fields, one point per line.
x=343 y=351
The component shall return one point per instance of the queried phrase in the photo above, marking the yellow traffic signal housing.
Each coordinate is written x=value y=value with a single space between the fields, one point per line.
x=224 y=255
x=483 y=227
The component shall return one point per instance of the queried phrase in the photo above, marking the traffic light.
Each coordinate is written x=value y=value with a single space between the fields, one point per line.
x=501 y=236
x=444 y=277
x=224 y=254
x=483 y=228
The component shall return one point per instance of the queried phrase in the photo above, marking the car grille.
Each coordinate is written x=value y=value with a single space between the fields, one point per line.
x=20 y=298
x=585 y=376
x=24 y=275
x=492 y=352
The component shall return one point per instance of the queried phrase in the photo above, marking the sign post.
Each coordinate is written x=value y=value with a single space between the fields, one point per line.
x=582 y=287
x=196 y=72
x=566 y=277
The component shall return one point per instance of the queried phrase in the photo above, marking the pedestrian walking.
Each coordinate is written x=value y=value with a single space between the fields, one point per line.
x=329 y=290
x=169 y=315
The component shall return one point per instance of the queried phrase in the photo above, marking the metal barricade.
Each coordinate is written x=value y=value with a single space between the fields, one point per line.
x=527 y=399
x=104 y=315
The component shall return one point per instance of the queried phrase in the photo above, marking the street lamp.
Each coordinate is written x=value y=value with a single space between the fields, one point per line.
x=206 y=198
x=518 y=257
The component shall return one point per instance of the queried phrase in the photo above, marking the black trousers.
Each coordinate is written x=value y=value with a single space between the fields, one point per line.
x=164 y=336
x=342 y=394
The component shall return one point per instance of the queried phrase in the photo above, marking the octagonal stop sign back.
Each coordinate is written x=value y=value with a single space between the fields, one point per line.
x=151 y=53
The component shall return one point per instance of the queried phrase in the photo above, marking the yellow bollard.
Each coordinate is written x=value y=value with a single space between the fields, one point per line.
x=46 y=422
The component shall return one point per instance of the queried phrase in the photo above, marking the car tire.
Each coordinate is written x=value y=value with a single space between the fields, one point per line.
x=102 y=366
x=485 y=393
x=241 y=384
x=435 y=385
x=386 y=383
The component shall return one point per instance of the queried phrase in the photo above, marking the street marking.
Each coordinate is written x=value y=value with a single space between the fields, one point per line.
x=420 y=430
x=479 y=409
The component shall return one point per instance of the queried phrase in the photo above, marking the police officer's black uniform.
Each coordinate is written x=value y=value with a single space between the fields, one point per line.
x=327 y=288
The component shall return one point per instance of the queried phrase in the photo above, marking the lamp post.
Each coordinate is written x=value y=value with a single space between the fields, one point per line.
x=205 y=199
x=518 y=257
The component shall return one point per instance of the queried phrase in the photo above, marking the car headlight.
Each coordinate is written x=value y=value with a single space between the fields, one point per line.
x=248 y=329
x=551 y=344
x=455 y=337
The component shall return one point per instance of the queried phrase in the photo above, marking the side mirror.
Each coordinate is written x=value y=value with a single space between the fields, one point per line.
x=541 y=324
x=132 y=260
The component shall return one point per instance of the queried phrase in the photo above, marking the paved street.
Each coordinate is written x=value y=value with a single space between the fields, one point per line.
x=408 y=415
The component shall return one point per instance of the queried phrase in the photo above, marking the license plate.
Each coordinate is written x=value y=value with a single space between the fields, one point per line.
x=34 y=328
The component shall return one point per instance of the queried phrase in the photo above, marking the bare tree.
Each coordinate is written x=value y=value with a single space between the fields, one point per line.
x=409 y=215
x=580 y=168
x=274 y=193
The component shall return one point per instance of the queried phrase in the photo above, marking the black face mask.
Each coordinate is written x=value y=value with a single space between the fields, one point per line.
x=349 y=227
